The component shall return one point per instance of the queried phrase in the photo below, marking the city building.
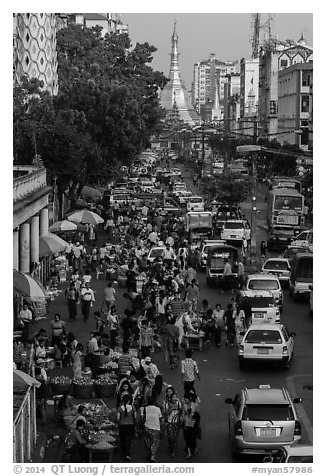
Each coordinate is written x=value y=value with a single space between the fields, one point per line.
x=276 y=55
x=295 y=104
x=249 y=78
x=232 y=102
x=174 y=97
x=30 y=219
x=34 y=49
x=207 y=90
x=110 y=22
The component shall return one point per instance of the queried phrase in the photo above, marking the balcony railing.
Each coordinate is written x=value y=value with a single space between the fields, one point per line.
x=31 y=182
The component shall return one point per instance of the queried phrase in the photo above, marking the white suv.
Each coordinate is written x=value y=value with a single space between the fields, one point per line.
x=235 y=230
x=265 y=282
x=264 y=308
x=266 y=343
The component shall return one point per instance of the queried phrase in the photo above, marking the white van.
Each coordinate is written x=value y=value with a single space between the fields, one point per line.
x=195 y=204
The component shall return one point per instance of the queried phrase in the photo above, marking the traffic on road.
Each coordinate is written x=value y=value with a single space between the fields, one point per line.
x=229 y=331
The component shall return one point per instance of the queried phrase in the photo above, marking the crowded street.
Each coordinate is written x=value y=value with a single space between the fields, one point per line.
x=218 y=366
x=162 y=240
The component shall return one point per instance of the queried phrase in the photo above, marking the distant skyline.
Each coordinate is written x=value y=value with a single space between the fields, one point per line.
x=227 y=35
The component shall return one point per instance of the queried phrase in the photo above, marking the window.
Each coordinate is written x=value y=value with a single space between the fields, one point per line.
x=267 y=336
x=273 y=412
x=261 y=284
x=305 y=79
x=285 y=334
x=305 y=103
x=277 y=265
x=284 y=63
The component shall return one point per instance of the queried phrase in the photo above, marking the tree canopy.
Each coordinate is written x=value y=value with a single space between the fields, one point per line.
x=228 y=187
x=106 y=109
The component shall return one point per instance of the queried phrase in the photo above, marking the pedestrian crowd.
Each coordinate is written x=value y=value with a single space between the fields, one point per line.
x=163 y=310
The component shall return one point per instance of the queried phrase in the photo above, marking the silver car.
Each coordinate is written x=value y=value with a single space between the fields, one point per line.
x=262 y=420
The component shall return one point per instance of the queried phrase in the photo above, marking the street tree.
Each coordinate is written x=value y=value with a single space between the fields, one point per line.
x=228 y=187
x=106 y=109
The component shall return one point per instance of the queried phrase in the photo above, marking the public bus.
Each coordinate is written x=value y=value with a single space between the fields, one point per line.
x=287 y=182
x=286 y=207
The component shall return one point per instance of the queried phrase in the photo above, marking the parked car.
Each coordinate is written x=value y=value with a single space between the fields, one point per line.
x=279 y=267
x=262 y=419
x=266 y=343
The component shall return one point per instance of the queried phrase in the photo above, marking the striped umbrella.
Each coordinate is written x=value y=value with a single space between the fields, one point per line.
x=27 y=286
x=63 y=225
x=85 y=216
x=50 y=244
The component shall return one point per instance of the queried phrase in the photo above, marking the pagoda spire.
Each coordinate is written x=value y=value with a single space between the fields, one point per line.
x=174 y=96
x=174 y=67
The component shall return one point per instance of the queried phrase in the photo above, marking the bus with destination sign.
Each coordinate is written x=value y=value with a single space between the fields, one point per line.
x=286 y=207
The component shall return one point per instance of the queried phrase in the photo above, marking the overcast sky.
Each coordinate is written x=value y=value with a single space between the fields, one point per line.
x=225 y=34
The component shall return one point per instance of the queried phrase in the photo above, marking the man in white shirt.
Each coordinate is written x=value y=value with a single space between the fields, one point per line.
x=87 y=300
x=169 y=254
x=227 y=275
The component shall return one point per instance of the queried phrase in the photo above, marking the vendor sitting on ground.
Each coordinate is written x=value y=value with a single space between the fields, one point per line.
x=81 y=416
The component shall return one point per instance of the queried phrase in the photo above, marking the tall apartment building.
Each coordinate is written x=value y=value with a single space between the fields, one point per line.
x=249 y=78
x=295 y=104
x=34 y=49
x=207 y=89
x=276 y=55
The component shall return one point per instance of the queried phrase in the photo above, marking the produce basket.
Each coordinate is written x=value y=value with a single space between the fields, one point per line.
x=61 y=385
x=105 y=386
x=83 y=387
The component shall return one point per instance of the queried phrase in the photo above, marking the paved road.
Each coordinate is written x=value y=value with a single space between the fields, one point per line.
x=220 y=375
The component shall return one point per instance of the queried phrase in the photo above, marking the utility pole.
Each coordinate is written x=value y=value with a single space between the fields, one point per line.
x=253 y=243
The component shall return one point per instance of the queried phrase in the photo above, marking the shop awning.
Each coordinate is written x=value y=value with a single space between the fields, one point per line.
x=21 y=378
x=50 y=244
x=26 y=286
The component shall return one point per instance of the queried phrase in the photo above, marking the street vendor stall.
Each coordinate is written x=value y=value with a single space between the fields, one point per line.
x=102 y=438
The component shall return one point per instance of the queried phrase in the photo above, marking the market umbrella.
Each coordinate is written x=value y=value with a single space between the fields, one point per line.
x=85 y=216
x=66 y=225
x=27 y=286
x=91 y=192
x=63 y=225
x=51 y=243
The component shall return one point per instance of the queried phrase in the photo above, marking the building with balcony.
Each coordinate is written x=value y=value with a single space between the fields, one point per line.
x=295 y=104
x=276 y=55
x=30 y=217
